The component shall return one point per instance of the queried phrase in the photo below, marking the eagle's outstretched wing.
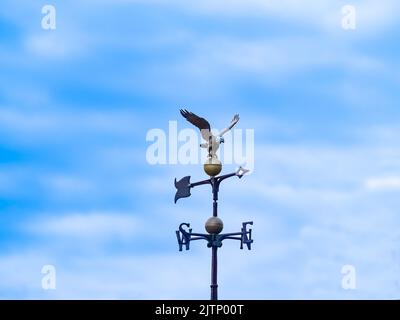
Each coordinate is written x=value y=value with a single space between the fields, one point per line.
x=199 y=122
x=231 y=125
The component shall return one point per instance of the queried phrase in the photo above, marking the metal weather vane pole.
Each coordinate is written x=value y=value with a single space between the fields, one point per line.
x=214 y=225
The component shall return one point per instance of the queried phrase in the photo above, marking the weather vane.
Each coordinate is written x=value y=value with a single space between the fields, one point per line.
x=213 y=225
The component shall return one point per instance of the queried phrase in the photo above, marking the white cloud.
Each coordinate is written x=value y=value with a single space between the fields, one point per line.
x=70 y=185
x=93 y=226
x=269 y=60
x=383 y=183
x=326 y=15
x=50 y=124
x=376 y=16
x=49 y=45
x=17 y=120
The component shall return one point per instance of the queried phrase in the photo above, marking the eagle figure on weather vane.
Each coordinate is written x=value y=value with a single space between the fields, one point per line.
x=212 y=142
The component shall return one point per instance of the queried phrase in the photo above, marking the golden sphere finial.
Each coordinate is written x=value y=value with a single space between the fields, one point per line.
x=212 y=167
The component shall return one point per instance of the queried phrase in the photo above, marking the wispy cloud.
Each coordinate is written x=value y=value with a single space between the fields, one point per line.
x=383 y=183
x=51 y=124
x=93 y=225
x=53 y=45
x=372 y=15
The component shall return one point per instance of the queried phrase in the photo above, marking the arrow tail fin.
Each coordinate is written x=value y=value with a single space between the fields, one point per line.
x=182 y=188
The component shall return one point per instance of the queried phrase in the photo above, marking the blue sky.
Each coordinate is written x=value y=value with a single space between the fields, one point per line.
x=77 y=192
